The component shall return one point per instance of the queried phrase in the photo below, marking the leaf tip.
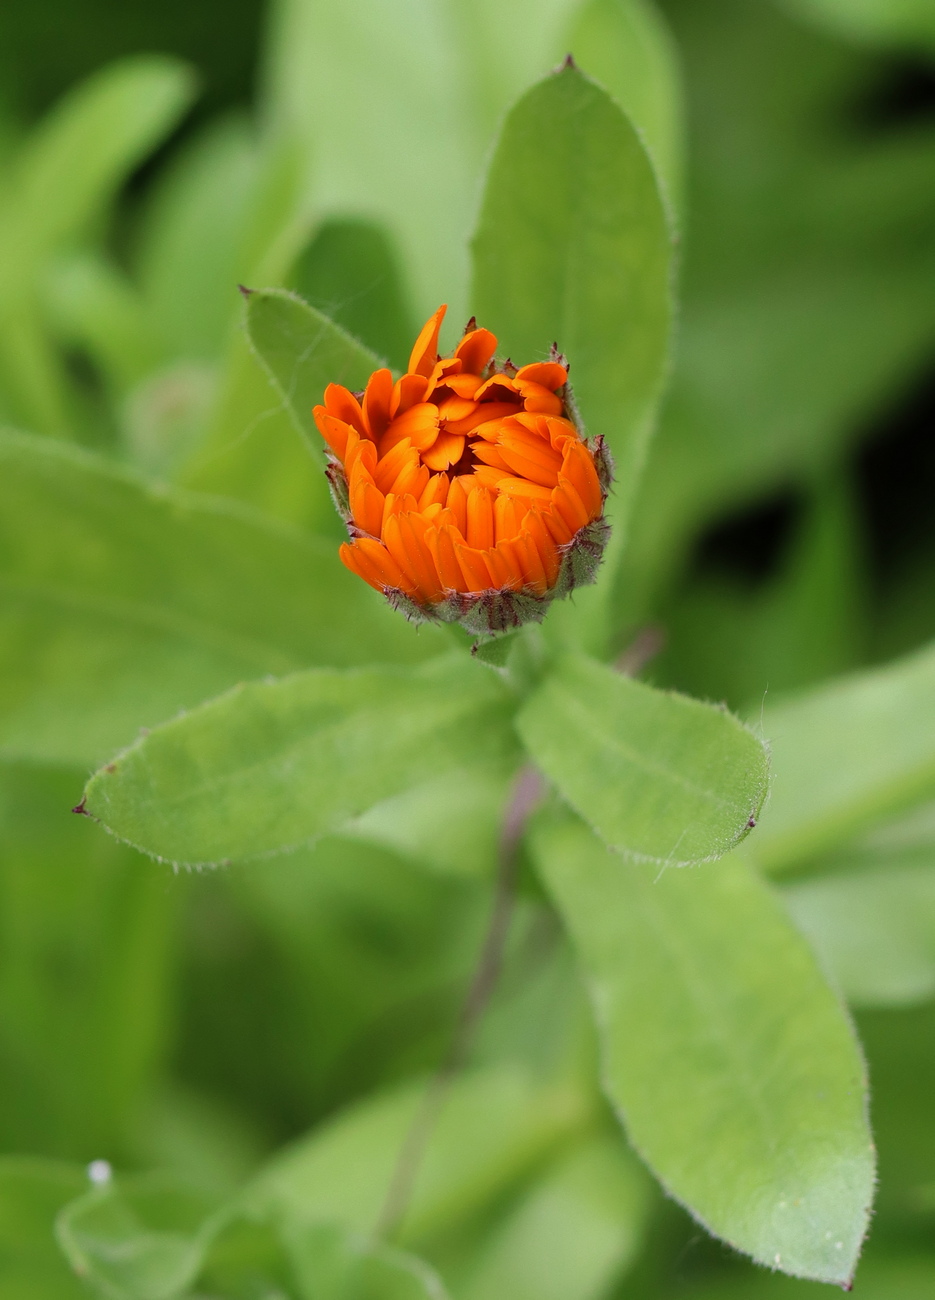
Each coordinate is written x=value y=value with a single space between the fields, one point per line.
x=247 y=293
x=567 y=64
x=81 y=808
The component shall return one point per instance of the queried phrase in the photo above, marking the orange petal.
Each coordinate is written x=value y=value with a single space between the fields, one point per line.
x=474 y=566
x=362 y=452
x=456 y=408
x=457 y=504
x=506 y=517
x=413 y=529
x=446 y=450
x=372 y=561
x=489 y=477
x=539 y=399
x=414 y=478
x=407 y=391
x=480 y=519
x=578 y=467
x=367 y=504
x=377 y=403
x=390 y=466
x=419 y=424
x=341 y=402
x=545 y=545
x=569 y=505
x=437 y=490
x=476 y=349
x=505 y=565
x=441 y=541
x=334 y=431
x=530 y=458
x=463 y=385
x=558 y=529
x=424 y=354
x=522 y=488
x=499 y=388
x=485 y=416
x=489 y=455
x=547 y=373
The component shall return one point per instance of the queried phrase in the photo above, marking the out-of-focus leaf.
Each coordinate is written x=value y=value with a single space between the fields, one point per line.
x=731 y=1063
x=249 y=449
x=333 y=1264
x=192 y=228
x=303 y=352
x=164 y=417
x=361 y=961
x=32 y=1191
x=889 y=22
x=142 y=1240
x=87 y=938
x=806 y=306
x=275 y=764
x=124 y=603
x=873 y=928
x=627 y=47
x=350 y=273
x=84 y=149
x=572 y=246
x=659 y=776
x=910 y=1277
x=573 y=1232
x=495 y=1126
x=450 y=822
x=94 y=307
x=846 y=754
x=731 y=638
x=327 y=69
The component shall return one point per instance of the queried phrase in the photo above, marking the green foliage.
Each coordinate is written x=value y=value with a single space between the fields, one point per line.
x=694 y=777
x=718 y=1030
x=174 y=612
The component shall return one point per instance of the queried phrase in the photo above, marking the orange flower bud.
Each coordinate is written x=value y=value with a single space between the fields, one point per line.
x=468 y=490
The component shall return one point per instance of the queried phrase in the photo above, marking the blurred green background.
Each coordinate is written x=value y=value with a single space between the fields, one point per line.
x=785 y=531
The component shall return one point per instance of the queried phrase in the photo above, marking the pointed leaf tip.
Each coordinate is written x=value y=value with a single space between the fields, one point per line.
x=242 y=288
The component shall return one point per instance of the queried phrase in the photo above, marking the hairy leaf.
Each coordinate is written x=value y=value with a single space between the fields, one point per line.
x=123 y=603
x=275 y=764
x=729 y=1060
x=658 y=775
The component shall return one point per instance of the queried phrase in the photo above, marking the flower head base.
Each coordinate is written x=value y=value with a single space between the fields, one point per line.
x=468 y=491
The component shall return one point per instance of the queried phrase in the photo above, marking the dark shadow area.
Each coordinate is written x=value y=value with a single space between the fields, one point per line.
x=903 y=93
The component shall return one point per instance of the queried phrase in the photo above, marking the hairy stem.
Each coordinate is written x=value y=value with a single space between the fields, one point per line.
x=527 y=792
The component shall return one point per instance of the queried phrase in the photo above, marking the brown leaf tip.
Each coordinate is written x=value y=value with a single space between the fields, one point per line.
x=242 y=288
x=81 y=809
x=568 y=63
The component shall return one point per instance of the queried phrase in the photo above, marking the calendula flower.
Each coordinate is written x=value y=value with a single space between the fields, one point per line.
x=468 y=490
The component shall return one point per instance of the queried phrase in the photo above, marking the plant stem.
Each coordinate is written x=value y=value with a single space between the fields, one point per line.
x=527 y=792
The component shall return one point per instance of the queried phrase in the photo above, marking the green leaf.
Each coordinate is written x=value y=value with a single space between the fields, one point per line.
x=32 y=1191
x=141 y=1240
x=846 y=754
x=451 y=822
x=572 y=1233
x=729 y=1060
x=123 y=603
x=275 y=764
x=873 y=927
x=85 y=148
x=627 y=47
x=327 y=68
x=495 y=1126
x=303 y=351
x=80 y=1051
x=333 y=1264
x=350 y=273
x=887 y=22
x=573 y=246
x=660 y=777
